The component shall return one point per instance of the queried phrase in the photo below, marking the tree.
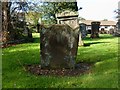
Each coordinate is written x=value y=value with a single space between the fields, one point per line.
x=11 y=27
x=81 y=18
x=5 y=21
x=105 y=20
x=32 y=18
x=51 y=8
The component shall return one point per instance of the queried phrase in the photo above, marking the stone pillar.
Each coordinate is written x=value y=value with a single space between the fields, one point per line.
x=58 y=44
x=95 y=29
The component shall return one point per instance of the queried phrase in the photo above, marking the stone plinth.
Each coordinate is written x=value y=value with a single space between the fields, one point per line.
x=58 y=44
x=95 y=29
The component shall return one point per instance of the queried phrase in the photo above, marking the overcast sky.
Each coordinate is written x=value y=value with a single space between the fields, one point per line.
x=98 y=9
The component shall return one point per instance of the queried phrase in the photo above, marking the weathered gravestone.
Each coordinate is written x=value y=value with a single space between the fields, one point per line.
x=117 y=29
x=95 y=29
x=59 y=44
x=70 y=18
x=83 y=30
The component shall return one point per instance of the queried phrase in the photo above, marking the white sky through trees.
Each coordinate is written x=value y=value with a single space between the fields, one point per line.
x=94 y=9
x=98 y=9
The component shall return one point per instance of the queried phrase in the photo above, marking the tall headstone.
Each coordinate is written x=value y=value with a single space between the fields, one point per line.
x=59 y=43
x=83 y=30
x=95 y=29
x=117 y=29
x=70 y=18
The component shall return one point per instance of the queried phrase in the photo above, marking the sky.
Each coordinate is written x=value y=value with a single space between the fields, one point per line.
x=98 y=9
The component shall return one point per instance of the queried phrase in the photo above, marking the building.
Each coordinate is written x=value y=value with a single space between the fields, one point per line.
x=104 y=24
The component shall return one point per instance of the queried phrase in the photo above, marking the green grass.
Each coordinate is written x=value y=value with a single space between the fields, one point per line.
x=102 y=52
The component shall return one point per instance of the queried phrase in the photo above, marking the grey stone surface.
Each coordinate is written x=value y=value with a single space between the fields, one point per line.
x=95 y=29
x=58 y=46
x=70 y=18
x=83 y=30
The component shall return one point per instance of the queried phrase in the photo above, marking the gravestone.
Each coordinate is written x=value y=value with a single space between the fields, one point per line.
x=59 y=44
x=117 y=31
x=83 y=30
x=95 y=29
x=119 y=27
x=70 y=18
x=119 y=18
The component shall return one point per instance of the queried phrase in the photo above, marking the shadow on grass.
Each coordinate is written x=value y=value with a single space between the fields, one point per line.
x=107 y=37
x=104 y=36
x=36 y=40
x=88 y=44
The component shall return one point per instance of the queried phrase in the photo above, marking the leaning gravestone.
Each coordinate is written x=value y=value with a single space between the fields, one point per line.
x=58 y=44
x=95 y=29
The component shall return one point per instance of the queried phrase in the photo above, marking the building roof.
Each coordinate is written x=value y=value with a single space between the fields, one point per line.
x=87 y=22
x=102 y=22
x=108 y=23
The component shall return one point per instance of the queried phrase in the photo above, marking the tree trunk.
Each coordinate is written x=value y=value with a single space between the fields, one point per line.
x=0 y=22
x=5 y=32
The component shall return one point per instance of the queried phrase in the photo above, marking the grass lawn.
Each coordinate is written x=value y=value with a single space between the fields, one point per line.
x=104 y=73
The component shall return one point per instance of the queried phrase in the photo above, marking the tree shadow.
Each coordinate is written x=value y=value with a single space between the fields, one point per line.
x=90 y=43
x=36 y=40
x=107 y=37
x=100 y=37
